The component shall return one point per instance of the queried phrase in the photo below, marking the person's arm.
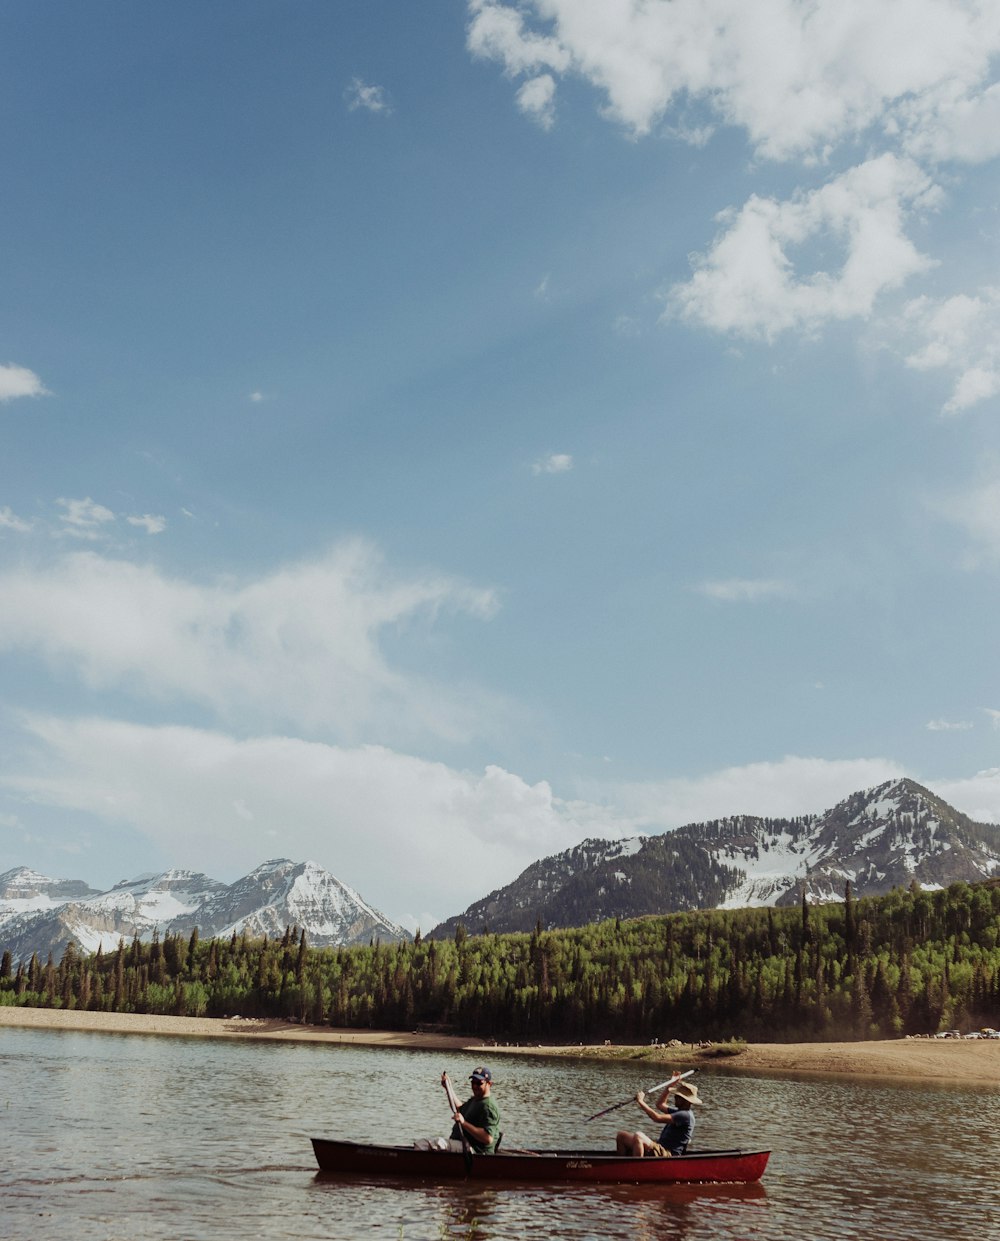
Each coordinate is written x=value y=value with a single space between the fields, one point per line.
x=662 y=1101
x=661 y=1118
x=478 y=1134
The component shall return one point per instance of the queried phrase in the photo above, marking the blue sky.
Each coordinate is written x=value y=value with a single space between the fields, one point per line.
x=432 y=434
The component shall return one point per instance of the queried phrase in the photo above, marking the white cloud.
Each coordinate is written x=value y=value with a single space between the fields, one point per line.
x=977 y=796
x=407 y=833
x=536 y=98
x=300 y=645
x=367 y=96
x=784 y=788
x=151 y=523
x=993 y=716
x=84 y=519
x=949 y=726
x=497 y=31
x=747 y=283
x=748 y=590
x=960 y=335
x=797 y=76
x=16 y=381
x=9 y=520
x=256 y=397
x=554 y=463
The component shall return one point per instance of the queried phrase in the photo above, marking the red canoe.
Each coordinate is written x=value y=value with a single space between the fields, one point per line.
x=596 y=1166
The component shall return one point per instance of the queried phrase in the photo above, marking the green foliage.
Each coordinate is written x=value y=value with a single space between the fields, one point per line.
x=908 y=962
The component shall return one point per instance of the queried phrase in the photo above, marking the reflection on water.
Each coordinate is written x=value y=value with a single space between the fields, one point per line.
x=110 y=1136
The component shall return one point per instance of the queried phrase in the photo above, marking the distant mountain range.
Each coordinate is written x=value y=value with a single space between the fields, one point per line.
x=41 y=915
x=878 y=839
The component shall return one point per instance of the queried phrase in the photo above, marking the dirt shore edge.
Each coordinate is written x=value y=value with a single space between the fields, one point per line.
x=974 y=1061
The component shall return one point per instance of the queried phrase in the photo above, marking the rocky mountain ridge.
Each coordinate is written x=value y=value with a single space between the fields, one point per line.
x=880 y=838
x=41 y=915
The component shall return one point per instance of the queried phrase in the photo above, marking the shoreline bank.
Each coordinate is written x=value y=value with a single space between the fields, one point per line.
x=968 y=1062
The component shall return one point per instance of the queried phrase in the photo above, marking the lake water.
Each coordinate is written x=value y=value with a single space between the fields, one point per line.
x=124 y=1137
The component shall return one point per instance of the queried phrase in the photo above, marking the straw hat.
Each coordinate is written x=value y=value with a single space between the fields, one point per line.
x=688 y=1092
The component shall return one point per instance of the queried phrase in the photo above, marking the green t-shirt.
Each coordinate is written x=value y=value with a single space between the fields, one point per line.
x=484 y=1114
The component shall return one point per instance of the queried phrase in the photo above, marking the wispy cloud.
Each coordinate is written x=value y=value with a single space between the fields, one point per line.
x=976 y=510
x=554 y=463
x=350 y=808
x=746 y=590
x=256 y=397
x=993 y=716
x=17 y=381
x=300 y=646
x=84 y=519
x=790 y=786
x=9 y=520
x=949 y=726
x=368 y=97
x=149 y=522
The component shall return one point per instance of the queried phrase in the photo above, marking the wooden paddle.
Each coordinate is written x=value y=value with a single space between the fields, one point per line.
x=453 y=1104
x=651 y=1090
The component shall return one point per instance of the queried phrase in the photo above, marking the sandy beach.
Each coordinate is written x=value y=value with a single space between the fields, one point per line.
x=973 y=1061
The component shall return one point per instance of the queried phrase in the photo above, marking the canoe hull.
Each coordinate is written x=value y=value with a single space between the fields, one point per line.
x=702 y=1167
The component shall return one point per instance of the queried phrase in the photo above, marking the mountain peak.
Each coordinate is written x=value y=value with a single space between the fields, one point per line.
x=40 y=915
x=878 y=838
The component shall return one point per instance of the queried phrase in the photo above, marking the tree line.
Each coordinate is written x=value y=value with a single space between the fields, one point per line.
x=909 y=962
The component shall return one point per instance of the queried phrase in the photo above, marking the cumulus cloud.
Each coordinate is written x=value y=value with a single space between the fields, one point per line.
x=808 y=81
x=554 y=463
x=748 y=284
x=18 y=381
x=399 y=829
x=959 y=335
x=746 y=590
x=536 y=98
x=299 y=645
x=368 y=97
x=797 y=77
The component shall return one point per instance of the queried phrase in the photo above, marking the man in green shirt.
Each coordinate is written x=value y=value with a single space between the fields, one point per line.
x=479 y=1117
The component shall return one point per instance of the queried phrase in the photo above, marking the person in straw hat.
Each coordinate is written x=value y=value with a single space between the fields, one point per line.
x=677 y=1122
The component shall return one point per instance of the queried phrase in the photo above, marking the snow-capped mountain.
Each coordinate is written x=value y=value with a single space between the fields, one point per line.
x=281 y=893
x=276 y=895
x=878 y=839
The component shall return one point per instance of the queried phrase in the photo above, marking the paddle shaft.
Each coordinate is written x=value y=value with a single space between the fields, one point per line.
x=651 y=1090
x=453 y=1104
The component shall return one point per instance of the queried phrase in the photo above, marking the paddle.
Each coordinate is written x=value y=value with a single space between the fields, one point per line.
x=651 y=1090
x=453 y=1104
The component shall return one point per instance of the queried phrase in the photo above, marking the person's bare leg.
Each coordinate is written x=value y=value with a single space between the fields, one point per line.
x=631 y=1143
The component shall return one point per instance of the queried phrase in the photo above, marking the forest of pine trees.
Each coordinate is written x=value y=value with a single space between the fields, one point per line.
x=909 y=962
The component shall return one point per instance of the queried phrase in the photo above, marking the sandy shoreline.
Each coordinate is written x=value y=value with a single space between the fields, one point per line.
x=965 y=1061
